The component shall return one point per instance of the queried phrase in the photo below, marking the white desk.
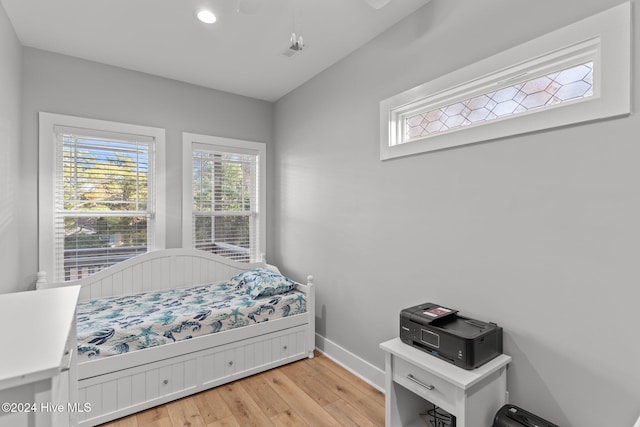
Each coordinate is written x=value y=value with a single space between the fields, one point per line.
x=37 y=359
x=415 y=380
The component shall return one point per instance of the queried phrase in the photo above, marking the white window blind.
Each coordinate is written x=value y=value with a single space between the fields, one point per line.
x=103 y=199
x=224 y=204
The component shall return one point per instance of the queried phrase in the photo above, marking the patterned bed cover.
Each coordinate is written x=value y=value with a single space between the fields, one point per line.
x=121 y=324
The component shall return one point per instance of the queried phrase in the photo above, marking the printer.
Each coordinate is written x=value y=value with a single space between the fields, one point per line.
x=442 y=332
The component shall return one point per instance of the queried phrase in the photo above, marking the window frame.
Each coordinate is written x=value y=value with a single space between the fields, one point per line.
x=47 y=181
x=604 y=38
x=189 y=142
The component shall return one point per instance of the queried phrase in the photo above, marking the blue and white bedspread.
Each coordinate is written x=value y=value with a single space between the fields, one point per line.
x=122 y=324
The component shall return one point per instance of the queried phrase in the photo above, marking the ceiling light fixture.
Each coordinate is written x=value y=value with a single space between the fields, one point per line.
x=206 y=16
x=296 y=44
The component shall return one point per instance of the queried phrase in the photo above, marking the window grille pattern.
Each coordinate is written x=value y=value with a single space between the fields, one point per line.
x=545 y=91
x=102 y=201
x=225 y=203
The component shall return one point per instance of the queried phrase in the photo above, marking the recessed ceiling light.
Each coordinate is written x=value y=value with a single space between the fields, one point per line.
x=206 y=16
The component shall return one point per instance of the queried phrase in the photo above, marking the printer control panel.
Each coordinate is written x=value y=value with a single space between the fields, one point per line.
x=430 y=338
x=433 y=342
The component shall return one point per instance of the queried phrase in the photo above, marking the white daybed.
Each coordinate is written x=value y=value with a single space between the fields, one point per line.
x=123 y=384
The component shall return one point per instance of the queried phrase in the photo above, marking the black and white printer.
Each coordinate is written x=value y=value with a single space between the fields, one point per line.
x=442 y=332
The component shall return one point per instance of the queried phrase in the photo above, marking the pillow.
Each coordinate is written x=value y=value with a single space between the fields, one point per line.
x=261 y=282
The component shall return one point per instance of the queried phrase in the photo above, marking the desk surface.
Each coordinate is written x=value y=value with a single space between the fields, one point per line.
x=35 y=328
x=460 y=377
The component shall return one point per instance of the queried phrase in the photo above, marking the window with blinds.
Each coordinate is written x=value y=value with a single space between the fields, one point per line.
x=103 y=199
x=225 y=188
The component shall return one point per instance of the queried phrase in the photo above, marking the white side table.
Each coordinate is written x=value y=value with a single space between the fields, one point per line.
x=415 y=381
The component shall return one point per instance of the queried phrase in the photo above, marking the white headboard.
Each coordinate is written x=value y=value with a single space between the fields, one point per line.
x=156 y=270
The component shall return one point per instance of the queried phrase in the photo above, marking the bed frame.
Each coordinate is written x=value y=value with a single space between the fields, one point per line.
x=127 y=383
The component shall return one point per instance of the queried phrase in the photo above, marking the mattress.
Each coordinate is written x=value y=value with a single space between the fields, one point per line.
x=121 y=324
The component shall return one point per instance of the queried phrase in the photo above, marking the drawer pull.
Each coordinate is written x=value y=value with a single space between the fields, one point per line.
x=420 y=383
x=230 y=362
x=68 y=367
x=165 y=382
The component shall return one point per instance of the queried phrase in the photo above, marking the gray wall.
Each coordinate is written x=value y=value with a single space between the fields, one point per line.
x=538 y=233
x=10 y=175
x=66 y=85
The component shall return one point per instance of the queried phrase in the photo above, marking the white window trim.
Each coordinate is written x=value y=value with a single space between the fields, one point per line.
x=47 y=181
x=228 y=145
x=608 y=32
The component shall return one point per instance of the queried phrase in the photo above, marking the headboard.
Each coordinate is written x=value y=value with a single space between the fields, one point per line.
x=156 y=270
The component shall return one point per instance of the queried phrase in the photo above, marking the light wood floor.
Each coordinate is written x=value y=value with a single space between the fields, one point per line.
x=311 y=392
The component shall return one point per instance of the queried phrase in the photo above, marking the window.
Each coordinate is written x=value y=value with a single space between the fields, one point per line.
x=578 y=73
x=101 y=194
x=224 y=203
x=555 y=88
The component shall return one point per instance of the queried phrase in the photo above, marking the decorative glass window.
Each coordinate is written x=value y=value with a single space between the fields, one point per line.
x=552 y=89
x=579 y=73
x=224 y=210
x=98 y=195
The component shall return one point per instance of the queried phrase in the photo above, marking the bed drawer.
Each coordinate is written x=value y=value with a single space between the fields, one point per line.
x=131 y=388
x=250 y=356
x=425 y=384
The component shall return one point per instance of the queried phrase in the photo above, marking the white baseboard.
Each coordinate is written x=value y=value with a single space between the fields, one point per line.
x=369 y=373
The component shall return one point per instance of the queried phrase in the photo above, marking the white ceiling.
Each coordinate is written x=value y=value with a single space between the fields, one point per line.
x=241 y=53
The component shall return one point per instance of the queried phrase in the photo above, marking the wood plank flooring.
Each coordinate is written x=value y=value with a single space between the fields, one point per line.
x=310 y=392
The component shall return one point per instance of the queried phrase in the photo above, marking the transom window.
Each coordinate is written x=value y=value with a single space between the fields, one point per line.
x=552 y=89
x=575 y=74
